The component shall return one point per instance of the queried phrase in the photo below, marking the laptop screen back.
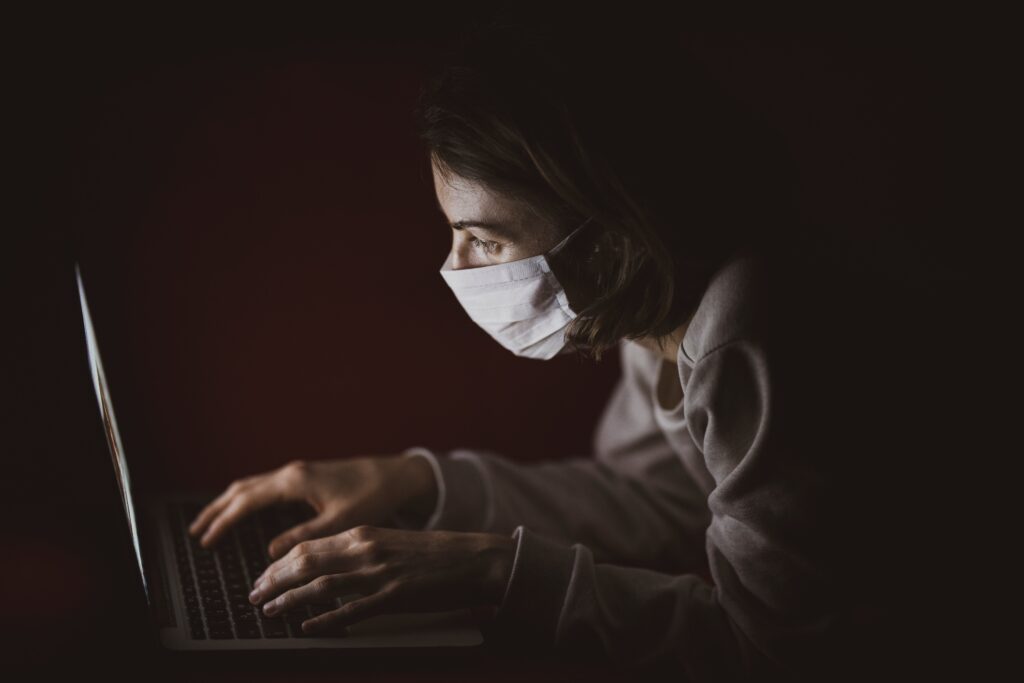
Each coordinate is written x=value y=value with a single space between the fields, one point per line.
x=110 y=427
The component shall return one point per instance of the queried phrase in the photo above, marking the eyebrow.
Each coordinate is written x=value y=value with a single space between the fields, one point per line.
x=496 y=228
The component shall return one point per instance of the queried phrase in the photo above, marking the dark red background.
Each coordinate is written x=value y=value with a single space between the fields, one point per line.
x=258 y=232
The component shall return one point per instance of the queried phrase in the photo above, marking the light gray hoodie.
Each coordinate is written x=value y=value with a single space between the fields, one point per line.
x=709 y=538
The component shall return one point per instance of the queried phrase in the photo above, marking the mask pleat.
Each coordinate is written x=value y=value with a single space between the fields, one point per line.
x=520 y=303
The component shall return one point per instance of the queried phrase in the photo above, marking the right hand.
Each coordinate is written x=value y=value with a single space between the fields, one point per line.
x=345 y=493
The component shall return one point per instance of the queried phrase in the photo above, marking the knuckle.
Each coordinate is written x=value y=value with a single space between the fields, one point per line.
x=305 y=562
x=372 y=549
x=300 y=549
x=322 y=585
x=363 y=532
x=297 y=467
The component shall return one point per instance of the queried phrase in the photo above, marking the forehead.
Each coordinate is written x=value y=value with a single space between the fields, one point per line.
x=463 y=199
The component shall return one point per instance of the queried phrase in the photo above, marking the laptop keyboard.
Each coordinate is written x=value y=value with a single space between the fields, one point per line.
x=216 y=582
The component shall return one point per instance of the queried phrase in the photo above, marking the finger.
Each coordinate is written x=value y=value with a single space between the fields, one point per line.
x=298 y=571
x=213 y=508
x=353 y=611
x=281 y=480
x=317 y=527
x=323 y=588
x=292 y=560
x=249 y=500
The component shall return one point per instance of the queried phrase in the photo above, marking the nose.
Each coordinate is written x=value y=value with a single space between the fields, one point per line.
x=457 y=258
x=453 y=261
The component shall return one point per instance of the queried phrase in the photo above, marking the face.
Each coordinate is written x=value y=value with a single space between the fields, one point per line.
x=488 y=228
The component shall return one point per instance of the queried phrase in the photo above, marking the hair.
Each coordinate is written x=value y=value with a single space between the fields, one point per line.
x=590 y=119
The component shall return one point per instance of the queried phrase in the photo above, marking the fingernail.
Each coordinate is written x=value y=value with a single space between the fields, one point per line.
x=269 y=608
x=254 y=597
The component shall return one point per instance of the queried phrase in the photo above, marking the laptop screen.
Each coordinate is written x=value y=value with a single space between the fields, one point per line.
x=114 y=442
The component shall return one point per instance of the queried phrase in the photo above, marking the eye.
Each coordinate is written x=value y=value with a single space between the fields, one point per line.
x=487 y=245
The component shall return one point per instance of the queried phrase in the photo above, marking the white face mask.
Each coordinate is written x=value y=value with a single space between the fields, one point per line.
x=520 y=303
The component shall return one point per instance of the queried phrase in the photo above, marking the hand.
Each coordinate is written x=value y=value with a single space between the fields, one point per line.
x=344 y=493
x=391 y=570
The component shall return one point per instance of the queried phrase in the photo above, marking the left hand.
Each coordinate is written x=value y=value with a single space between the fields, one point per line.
x=393 y=570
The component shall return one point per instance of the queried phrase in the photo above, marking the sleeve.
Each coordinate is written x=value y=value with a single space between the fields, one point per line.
x=769 y=613
x=632 y=503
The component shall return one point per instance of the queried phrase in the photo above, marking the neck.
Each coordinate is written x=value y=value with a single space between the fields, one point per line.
x=669 y=347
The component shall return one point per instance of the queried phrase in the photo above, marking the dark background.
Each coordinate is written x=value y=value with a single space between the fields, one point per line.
x=259 y=237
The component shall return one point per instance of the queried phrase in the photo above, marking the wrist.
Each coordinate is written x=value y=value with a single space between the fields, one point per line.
x=420 y=485
x=500 y=554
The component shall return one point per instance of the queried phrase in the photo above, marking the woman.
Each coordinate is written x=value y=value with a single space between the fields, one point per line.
x=603 y=194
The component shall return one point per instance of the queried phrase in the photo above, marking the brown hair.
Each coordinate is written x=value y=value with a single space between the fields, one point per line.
x=589 y=119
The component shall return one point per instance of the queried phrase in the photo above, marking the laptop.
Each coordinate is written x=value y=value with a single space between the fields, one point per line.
x=198 y=598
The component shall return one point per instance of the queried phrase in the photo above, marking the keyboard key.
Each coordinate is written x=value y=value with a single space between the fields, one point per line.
x=248 y=630
x=294 y=622
x=274 y=628
x=217 y=617
x=197 y=631
x=236 y=587
x=245 y=618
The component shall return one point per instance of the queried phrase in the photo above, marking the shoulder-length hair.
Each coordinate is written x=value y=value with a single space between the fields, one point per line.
x=587 y=119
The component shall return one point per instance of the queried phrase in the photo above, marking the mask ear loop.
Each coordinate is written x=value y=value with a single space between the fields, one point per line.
x=565 y=240
x=562 y=297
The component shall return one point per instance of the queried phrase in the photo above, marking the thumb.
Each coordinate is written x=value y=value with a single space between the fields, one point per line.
x=314 y=528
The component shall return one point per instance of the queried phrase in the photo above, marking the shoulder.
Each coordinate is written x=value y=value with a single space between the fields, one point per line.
x=772 y=299
x=734 y=306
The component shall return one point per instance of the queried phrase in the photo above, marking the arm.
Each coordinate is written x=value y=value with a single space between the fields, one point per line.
x=633 y=503
x=775 y=607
